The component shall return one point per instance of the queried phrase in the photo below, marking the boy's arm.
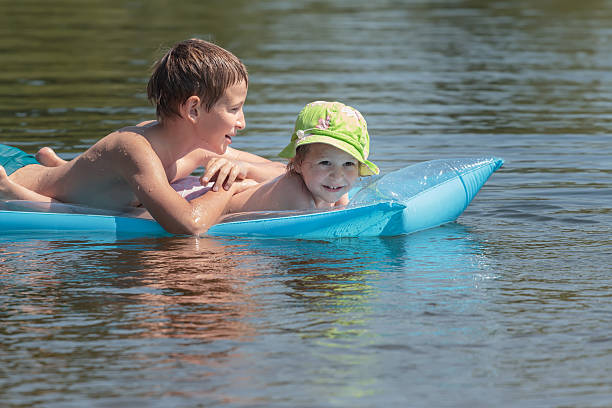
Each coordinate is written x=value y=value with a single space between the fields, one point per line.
x=174 y=213
x=145 y=174
x=258 y=168
x=249 y=165
x=236 y=154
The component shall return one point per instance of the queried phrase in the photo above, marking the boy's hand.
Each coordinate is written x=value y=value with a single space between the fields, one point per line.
x=224 y=172
x=240 y=186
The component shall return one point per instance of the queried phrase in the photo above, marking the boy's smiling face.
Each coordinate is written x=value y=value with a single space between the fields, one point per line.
x=219 y=125
x=328 y=172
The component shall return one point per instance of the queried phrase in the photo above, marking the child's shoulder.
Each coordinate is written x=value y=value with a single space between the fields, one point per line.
x=295 y=193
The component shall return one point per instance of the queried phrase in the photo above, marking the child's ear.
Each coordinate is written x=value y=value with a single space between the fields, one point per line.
x=191 y=108
x=297 y=166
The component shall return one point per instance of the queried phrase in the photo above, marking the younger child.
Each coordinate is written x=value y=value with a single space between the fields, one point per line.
x=199 y=90
x=328 y=151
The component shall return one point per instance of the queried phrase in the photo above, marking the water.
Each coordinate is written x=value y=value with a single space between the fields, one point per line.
x=510 y=306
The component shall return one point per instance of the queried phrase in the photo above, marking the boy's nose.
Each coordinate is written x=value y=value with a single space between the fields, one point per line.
x=241 y=122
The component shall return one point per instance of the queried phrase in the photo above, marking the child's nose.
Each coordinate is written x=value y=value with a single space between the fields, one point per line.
x=241 y=122
x=337 y=173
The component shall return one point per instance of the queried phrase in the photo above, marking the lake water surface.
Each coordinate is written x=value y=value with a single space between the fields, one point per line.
x=510 y=306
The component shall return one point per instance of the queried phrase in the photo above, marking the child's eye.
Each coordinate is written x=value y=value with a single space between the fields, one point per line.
x=349 y=164
x=324 y=162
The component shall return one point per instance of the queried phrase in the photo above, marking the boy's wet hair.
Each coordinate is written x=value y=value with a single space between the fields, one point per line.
x=193 y=67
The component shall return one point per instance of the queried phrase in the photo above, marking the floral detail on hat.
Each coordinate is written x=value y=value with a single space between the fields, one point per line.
x=300 y=134
x=350 y=112
x=324 y=123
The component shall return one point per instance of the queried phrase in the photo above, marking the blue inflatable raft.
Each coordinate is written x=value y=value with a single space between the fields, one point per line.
x=414 y=198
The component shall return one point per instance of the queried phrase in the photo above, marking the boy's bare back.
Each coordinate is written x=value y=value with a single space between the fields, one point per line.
x=101 y=176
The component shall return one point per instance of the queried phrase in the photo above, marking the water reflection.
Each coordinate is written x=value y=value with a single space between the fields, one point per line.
x=214 y=289
x=176 y=288
x=361 y=277
x=194 y=288
x=364 y=307
x=210 y=289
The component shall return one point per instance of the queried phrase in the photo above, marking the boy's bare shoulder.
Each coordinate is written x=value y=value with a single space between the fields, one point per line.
x=143 y=130
x=129 y=138
x=127 y=146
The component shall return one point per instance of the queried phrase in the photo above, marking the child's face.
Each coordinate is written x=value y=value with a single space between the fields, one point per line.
x=225 y=118
x=328 y=172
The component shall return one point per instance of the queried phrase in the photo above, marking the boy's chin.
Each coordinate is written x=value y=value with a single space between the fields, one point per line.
x=217 y=149
x=225 y=146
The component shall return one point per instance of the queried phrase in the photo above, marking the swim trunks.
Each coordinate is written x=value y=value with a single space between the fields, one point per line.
x=12 y=158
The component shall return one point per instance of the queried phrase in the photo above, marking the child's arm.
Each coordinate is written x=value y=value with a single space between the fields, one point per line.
x=344 y=200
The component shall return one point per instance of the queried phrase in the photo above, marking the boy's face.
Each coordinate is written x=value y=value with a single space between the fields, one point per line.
x=328 y=172
x=225 y=118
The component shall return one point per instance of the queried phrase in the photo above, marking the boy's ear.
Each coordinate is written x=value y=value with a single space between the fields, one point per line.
x=191 y=109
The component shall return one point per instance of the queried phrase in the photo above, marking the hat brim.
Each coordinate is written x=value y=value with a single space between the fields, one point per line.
x=366 y=167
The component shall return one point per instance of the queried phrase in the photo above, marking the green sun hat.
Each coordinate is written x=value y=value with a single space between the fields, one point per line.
x=336 y=124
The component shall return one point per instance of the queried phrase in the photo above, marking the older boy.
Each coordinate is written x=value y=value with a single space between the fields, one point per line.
x=199 y=90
